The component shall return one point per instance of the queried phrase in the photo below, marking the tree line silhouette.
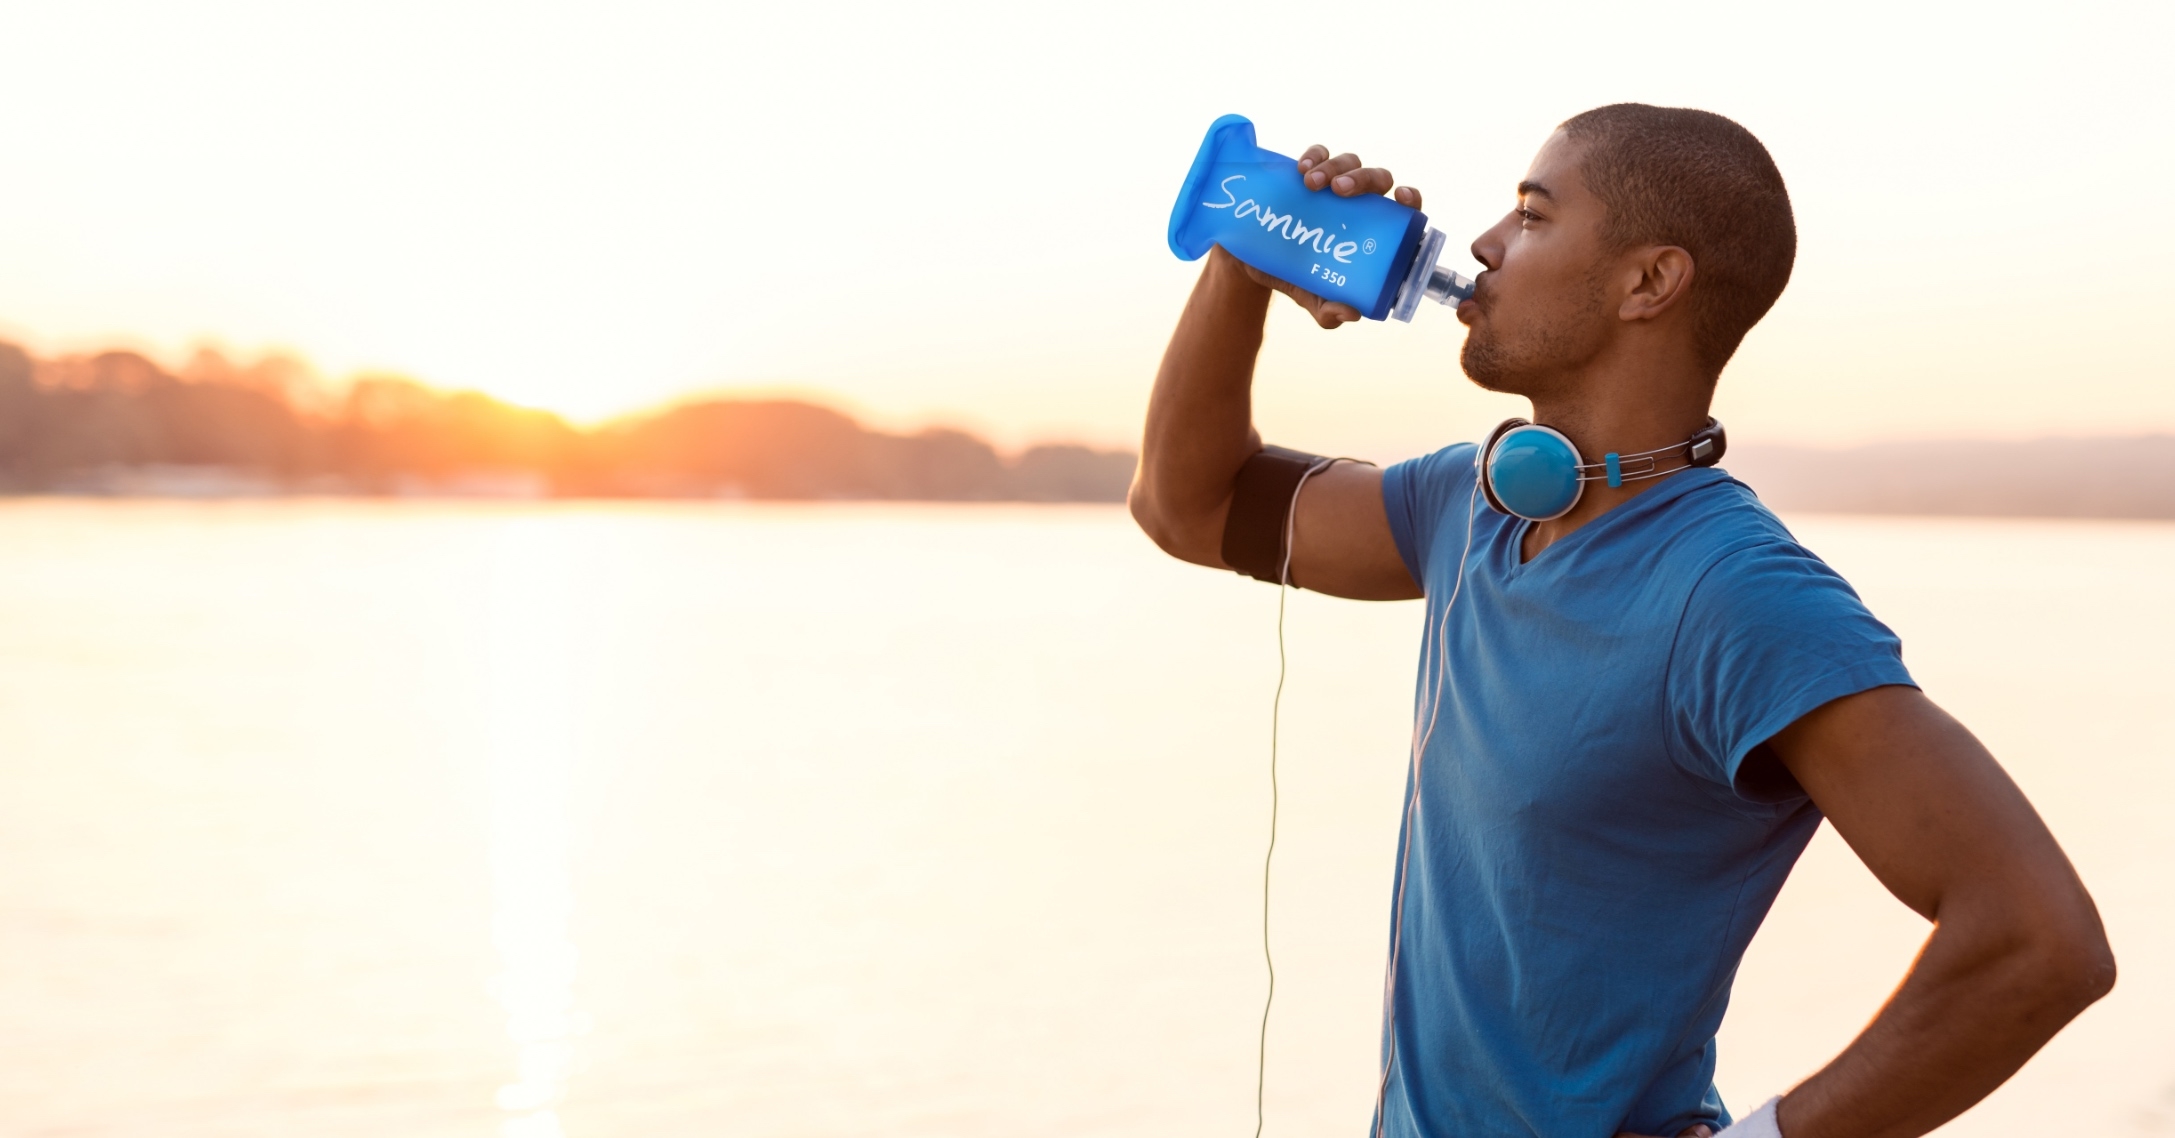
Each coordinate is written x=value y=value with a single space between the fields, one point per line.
x=109 y=422
x=119 y=423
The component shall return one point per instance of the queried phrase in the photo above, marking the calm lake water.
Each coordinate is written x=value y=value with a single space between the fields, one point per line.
x=613 y=821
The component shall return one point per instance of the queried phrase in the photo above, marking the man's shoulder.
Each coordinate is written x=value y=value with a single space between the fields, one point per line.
x=1743 y=560
x=1719 y=517
x=1420 y=493
x=1734 y=561
x=1438 y=471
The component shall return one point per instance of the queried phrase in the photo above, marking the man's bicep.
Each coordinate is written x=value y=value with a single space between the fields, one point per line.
x=1341 y=541
x=1918 y=798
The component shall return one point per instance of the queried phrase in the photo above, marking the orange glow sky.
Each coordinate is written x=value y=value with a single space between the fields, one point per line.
x=955 y=212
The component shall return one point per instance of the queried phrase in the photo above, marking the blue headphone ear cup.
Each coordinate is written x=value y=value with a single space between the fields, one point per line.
x=1534 y=472
x=1484 y=458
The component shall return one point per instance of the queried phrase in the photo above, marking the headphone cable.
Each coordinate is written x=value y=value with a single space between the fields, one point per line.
x=1421 y=738
x=1276 y=716
x=1276 y=708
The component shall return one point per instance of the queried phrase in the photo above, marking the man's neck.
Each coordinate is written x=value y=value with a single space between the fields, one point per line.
x=1615 y=418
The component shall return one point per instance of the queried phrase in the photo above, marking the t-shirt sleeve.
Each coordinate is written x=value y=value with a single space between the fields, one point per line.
x=1419 y=494
x=1769 y=633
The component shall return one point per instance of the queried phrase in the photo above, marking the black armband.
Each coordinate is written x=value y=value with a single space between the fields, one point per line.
x=1255 y=530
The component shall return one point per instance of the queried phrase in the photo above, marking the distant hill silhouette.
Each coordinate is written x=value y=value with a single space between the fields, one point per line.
x=2053 y=478
x=778 y=449
x=117 y=423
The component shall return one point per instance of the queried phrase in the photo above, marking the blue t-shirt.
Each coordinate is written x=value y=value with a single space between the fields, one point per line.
x=1592 y=851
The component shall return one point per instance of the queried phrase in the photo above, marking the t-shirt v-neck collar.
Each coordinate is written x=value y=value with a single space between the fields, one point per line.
x=1673 y=487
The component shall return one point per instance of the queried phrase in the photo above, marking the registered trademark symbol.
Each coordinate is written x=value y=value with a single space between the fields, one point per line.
x=1367 y=246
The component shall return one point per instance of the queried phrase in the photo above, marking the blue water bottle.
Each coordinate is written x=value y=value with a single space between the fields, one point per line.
x=1366 y=251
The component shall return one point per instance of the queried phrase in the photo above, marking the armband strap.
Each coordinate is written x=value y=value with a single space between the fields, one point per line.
x=1758 y=1124
x=1259 y=524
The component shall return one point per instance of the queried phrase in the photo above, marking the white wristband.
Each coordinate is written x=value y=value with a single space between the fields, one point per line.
x=1758 y=1124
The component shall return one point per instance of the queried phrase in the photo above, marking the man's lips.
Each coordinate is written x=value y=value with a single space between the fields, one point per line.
x=1473 y=306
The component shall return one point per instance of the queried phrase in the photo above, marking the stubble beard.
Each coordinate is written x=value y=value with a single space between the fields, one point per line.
x=1524 y=364
x=1484 y=360
x=1521 y=365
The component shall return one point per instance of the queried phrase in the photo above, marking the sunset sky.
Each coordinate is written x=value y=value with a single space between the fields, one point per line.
x=954 y=212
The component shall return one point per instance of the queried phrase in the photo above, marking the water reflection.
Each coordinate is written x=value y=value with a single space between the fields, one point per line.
x=948 y=858
x=532 y=763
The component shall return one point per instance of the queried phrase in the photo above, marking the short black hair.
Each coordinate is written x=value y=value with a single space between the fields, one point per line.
x=1694 y=179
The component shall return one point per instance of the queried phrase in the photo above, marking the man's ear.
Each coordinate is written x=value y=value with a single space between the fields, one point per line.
x=1664 y=277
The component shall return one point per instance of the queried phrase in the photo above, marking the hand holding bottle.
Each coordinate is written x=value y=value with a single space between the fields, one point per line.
x=1335 y=235
x=1345 y=177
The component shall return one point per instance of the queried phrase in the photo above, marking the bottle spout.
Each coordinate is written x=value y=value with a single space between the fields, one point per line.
x=1445 y=286
x=1430 y=280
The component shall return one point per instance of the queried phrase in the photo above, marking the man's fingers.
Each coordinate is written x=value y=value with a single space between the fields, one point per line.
x=1327 y=313
x=1344 y=176
x=1372 y=180
x=1324 y=171
x=1330 y=314
x=1300 y=296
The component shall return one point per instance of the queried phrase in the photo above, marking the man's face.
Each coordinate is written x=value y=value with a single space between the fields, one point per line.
x=1540 y=311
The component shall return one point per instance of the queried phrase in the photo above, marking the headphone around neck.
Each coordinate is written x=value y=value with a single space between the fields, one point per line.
x=1534 y=472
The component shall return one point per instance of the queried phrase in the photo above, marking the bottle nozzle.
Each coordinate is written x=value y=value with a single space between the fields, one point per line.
x=1427 y=278
x=1447 y=287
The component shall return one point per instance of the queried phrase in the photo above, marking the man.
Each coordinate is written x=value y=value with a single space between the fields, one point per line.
x=1632 y=717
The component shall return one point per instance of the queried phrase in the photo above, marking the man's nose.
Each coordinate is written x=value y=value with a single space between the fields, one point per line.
x=1488 y=249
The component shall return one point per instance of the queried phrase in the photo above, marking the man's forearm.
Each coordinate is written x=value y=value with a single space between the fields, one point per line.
x=1981 y=999
x=2017 y=949
x=1200 y=417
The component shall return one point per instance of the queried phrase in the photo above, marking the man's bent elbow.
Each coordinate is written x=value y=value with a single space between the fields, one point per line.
x=2092 y=969
x=1154 y=522
x=1146 y=517
x=2076 y=966
x=1173 y=535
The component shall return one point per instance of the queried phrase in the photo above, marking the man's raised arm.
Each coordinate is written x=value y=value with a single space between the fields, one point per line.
x=1200 y=427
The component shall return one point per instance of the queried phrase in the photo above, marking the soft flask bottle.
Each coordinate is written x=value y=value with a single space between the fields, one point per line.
x=1366 y=251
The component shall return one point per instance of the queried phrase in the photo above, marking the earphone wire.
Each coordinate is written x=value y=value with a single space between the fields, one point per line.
x=1276 y=715
x=1412 y=809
